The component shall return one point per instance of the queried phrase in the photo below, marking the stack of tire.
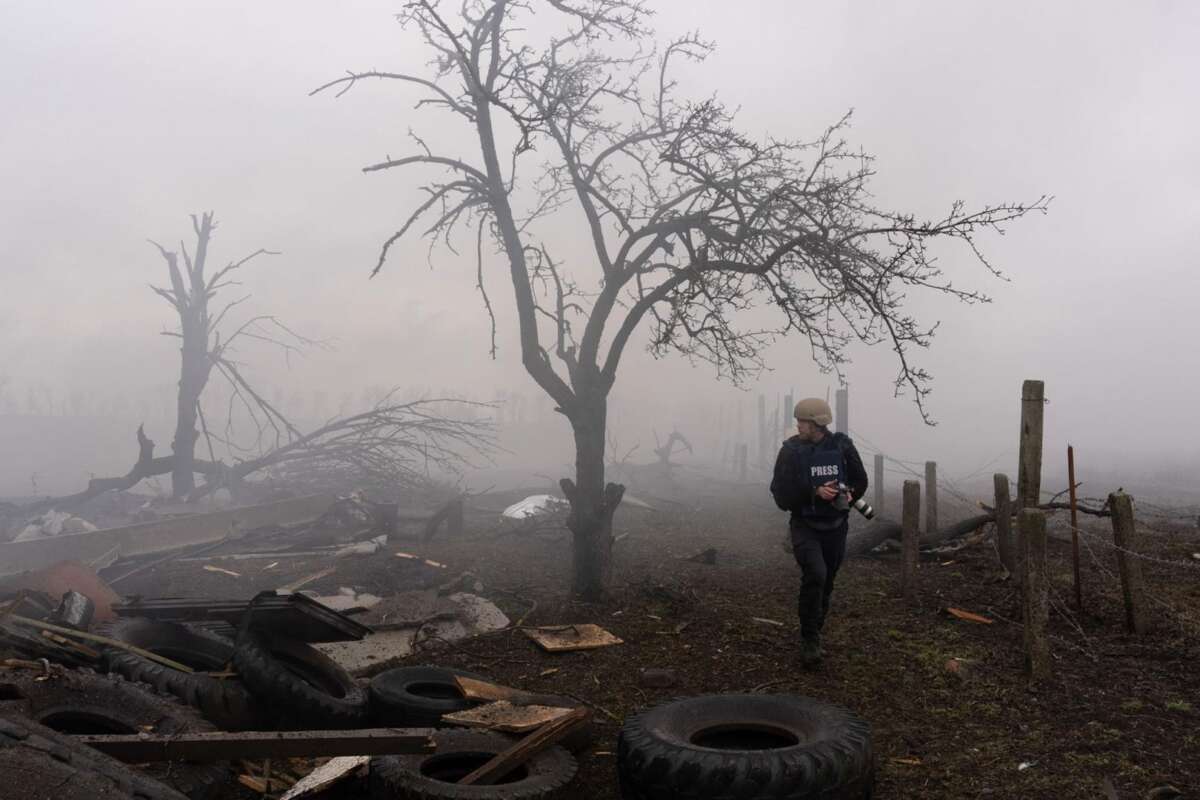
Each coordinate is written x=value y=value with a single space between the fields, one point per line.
x=42 y=712
x=270 y=682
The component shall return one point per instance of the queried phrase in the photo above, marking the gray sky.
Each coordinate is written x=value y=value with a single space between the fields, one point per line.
x=121 y=118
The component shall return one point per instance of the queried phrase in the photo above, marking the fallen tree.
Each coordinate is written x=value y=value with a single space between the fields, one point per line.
x=879 y=531
x=395 y=443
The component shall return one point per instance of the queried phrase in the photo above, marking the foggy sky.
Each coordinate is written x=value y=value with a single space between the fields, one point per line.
x=120 y=119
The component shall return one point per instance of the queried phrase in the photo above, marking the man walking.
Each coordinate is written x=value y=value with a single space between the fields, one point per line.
x=811 y=467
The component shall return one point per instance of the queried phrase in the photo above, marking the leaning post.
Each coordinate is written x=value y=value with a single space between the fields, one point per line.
x=1133 y=585
x=1004 y=541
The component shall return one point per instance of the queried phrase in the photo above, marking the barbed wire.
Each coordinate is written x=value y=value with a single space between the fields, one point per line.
x=1086 y=534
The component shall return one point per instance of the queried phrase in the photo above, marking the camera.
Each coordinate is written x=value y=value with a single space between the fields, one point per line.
x=860 y=505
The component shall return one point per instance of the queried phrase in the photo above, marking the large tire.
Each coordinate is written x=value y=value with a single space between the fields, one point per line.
x=417 y=697
x=310 y=688
x=745 y=746
x=83 y=702
x=41 y=764
x=434 y=776
x=223 y=702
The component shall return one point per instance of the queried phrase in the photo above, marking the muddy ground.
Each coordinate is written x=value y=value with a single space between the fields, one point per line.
x=1119 y=708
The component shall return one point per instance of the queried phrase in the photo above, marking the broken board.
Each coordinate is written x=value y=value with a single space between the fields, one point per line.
x=473 y=689
x=564 y=638
x=503 y=716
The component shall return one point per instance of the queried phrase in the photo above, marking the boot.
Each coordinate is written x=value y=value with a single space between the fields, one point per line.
x=810 y=652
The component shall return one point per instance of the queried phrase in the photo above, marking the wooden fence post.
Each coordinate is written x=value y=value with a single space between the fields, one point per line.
x=910 y=528
x=1034 y=593
x=1132 y=583
x=879 y=484
x=1029 y=461
x=1004 y=542
x=931 y=509
x=1029 y=474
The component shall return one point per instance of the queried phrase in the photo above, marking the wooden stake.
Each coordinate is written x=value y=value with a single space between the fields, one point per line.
x=910 y=539
x=1132 y=584
x=879 y=484
x=1029 y=467
x=1004 y=542
x=931 y=509
x=1029 y=475
x=1035 y=596
x=1074 y=527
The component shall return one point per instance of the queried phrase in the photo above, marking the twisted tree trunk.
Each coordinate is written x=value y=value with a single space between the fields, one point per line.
x=593 y=502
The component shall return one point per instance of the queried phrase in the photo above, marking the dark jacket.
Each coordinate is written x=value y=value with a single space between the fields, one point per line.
x=794 y=489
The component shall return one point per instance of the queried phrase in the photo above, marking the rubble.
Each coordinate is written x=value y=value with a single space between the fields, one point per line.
x=326 y=775
x=54 y=523
x=538 y=505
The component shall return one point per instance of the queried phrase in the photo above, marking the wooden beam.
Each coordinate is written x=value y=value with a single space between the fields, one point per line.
x=504 y=763
x=220 y=746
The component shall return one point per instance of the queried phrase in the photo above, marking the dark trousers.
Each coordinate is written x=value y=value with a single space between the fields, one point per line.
x=820 y=554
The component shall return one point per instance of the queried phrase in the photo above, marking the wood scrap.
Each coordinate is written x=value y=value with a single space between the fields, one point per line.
x=307 y=579
x=326 y=775
x=505 y=717
x=968 y=616
x=473 y=689
x=504 y=763
x=565 y=638
x=95 y=637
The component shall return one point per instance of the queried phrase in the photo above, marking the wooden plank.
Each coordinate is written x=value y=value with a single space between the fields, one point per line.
x=503 y=716
x=473 y=689
x=160 y=536
x=546 y=736
x=221 y=746
x=561 y=639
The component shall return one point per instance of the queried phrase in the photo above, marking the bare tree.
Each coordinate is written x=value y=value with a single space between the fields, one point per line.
x=690 y=220
x=390 y=443
x=202 y=348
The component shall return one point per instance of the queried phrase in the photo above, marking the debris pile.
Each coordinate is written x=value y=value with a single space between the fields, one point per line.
x=285 y=691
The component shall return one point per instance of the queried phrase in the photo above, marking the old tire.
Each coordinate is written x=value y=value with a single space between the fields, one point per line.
x=223 y=702
x=434 y=776
x=41 y=764
x=311 y=688
x=418 y=696
x=83 y=702
x=745 y=746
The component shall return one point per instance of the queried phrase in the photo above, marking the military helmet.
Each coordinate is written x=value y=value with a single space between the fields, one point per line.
x=815 y=410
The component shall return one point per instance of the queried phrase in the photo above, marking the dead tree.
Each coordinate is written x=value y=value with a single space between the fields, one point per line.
x=395 y=444
x=202 y=348
x=689 y=219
